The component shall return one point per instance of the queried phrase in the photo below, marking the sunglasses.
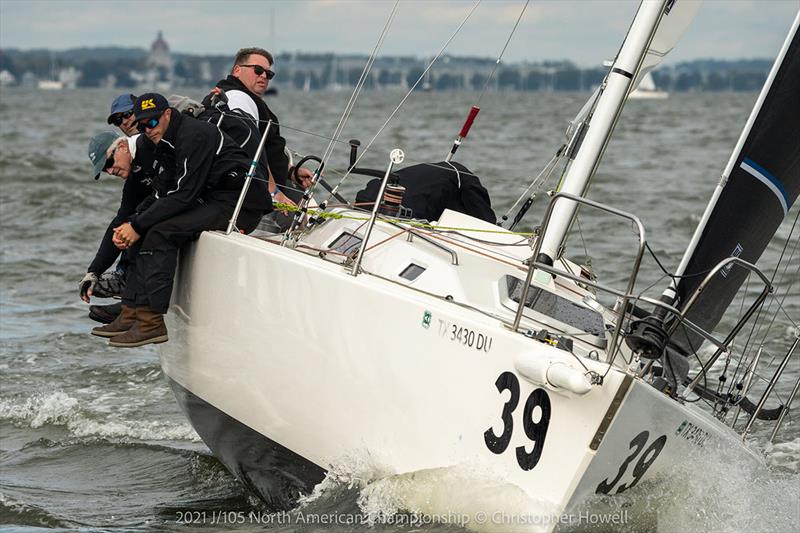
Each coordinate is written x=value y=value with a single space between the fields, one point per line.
x=147 y=124
x=110 y=161
x=118 y=118
x=259 y=70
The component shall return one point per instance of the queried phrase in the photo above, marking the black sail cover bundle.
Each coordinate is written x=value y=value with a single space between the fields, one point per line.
x=763 y=183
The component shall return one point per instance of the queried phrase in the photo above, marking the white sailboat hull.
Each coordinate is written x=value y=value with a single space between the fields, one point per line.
x=648 y=95
x=287 y=364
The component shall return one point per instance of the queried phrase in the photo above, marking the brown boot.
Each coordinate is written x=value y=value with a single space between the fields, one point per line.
x=148 y=329
x=124 y=321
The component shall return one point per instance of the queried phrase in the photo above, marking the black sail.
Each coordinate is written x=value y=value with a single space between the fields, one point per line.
x=762 y=185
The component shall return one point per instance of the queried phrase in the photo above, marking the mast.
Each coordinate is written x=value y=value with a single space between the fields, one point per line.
x=609 y=106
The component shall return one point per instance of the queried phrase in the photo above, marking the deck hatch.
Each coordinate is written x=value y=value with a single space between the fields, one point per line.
x=346 y=243
x=554 y=306
x=412 y=272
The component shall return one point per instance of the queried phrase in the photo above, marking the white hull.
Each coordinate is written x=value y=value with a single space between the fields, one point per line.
x=327 y=365
x=50 y=85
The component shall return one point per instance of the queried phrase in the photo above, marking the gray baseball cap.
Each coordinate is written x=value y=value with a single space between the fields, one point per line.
x=98 y=150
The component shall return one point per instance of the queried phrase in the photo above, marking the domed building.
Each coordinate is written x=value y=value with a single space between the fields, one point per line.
x=160 y=67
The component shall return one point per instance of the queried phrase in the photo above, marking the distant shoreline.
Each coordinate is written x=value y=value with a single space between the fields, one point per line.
x=129 y=68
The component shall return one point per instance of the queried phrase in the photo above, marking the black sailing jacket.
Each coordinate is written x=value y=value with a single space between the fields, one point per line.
x=244 y=133
x=433 y=187
x=199 y=162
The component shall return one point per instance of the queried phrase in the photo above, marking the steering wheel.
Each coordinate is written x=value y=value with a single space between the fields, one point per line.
x=303 y=161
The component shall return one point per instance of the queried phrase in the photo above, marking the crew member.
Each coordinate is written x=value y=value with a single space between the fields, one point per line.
x=433 y=187
x=130 y=158
x=110 y=283
x=244 y=89
x=121 y=114
x=205 y=171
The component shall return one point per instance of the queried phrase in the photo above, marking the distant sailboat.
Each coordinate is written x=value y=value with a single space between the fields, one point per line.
x=647 y=90
x=53 y=84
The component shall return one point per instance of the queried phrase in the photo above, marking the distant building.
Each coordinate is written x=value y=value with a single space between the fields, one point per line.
x=159 y=53
x=160 y=67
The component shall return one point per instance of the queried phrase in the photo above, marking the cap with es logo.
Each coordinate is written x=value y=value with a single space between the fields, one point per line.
x=149 y=105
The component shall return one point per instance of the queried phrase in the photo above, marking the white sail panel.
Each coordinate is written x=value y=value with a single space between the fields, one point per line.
x=677 y=17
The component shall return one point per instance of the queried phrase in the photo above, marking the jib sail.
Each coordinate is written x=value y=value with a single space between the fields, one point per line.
x=757 y=190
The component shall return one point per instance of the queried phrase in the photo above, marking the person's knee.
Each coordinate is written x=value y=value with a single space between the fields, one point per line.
x=157 y=236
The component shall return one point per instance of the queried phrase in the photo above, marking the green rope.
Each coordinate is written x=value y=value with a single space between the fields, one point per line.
x=424 y=225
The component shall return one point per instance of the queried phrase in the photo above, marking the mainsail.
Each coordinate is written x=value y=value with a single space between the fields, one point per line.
x=757 y=190
x=678 y=14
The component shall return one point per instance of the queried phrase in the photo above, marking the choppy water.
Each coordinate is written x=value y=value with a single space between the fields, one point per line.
x=91 y=437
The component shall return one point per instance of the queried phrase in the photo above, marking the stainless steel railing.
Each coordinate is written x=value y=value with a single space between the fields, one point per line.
x=533 y=264
x=679 y=316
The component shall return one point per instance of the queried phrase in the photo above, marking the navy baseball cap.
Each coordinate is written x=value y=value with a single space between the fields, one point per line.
x=98 y=150
x=121 y=104
x=149 y=105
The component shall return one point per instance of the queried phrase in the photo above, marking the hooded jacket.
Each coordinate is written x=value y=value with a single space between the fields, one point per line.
x=433 y=187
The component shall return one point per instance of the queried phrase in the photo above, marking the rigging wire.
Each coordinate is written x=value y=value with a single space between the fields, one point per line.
x=783 y=275
x=357 y=89
x=304 y=201
x=756 y=327
x=502 y=52
x=403 y=100
x=537 y=182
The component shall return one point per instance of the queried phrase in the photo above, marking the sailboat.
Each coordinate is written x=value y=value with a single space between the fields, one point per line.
x=53 y=84
x=647 y=90
x=489 y=361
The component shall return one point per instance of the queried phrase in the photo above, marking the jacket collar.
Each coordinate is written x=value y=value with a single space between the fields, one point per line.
x=172 y=130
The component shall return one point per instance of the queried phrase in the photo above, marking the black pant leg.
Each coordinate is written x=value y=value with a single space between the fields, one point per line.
x=158 y=256
x=134 y=294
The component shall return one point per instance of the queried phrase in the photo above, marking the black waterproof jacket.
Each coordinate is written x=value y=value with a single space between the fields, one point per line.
x=136 y=189
x=433 y=187
x=247 y=134
x=197 y=162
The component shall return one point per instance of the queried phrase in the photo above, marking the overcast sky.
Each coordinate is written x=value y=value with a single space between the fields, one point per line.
x=584 y=31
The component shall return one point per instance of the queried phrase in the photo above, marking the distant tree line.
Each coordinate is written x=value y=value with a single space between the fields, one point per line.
x=320 y=71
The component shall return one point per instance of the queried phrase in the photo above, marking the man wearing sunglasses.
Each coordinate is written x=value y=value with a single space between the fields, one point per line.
x=129 y=158
x=121 y=114
x=244 y=89
x=102 y=283
x=203 y=171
